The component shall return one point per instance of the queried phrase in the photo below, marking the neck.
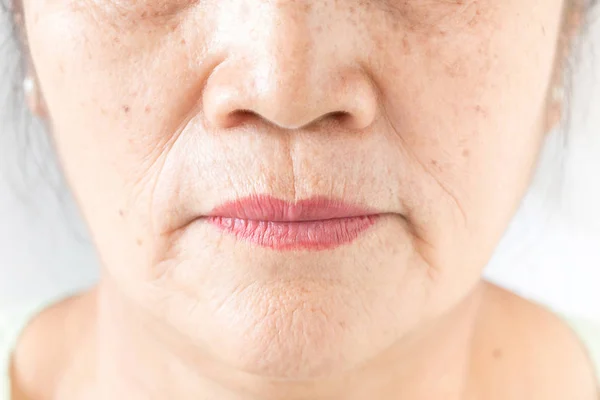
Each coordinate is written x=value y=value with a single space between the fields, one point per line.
x=138 y=358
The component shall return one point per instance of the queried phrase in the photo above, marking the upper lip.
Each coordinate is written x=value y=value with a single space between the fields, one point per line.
x=269 y=208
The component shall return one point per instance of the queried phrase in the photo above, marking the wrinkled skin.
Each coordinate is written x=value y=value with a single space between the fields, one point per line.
x=431 y=112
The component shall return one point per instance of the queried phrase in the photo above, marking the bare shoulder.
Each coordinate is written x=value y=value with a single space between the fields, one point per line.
x=530 y=352
x=44 y=349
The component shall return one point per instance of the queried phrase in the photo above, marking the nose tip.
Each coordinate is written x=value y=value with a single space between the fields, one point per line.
x=238 y=93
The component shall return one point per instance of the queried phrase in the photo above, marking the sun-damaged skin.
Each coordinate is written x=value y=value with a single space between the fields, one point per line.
x=430 y=114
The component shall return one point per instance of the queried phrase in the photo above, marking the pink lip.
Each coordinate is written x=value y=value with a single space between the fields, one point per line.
x=315 y=223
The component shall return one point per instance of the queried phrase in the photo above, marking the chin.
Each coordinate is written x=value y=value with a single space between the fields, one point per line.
x=305 y=334
x=293 y=315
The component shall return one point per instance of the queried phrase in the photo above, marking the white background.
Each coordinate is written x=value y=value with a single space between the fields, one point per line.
x=551 y=253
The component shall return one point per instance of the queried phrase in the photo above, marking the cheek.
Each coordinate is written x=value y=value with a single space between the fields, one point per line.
x=469 y=109
x=117 y=82
x=118 y=99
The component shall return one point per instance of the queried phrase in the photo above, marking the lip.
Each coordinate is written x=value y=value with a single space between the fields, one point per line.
x=315 y=223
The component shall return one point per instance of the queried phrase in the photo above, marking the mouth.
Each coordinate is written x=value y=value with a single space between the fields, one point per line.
x=316 y=223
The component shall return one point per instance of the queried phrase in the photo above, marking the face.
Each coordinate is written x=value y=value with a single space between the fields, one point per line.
x=427 y=114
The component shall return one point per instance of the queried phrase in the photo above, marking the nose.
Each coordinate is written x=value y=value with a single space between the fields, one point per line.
x=291 y=66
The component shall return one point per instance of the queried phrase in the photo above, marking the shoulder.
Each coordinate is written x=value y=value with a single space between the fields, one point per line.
x=534 y=351
x=30 y=335
x=14 y=320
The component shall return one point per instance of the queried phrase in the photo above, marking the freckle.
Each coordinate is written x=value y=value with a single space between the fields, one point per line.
x=147 y=109
x=497 y=354
x=466 y=153
x=139 y=242
x=480 y=110
x=126 y=108
x=183 y=41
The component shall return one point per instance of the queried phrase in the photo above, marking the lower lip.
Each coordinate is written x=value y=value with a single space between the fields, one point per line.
x=311 y=235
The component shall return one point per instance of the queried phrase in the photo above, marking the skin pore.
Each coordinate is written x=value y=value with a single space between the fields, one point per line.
x=430 y=112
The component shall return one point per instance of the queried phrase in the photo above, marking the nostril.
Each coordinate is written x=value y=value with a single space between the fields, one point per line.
x=244 y=117
x=245 y=114
x=341 y=118
x=240 y=117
